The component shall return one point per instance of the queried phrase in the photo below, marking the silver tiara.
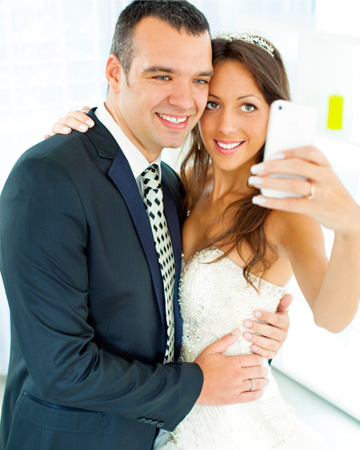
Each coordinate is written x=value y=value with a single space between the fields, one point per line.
x=247 y=37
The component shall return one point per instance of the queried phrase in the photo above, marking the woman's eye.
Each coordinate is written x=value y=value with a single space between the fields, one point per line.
x=248 y=108
x=211 y=105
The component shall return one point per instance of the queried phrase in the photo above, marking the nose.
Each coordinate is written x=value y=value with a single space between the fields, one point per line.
x=182 y=96
x=228 y=122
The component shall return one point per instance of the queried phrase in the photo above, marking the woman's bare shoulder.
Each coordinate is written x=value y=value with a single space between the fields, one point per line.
x=286 y=228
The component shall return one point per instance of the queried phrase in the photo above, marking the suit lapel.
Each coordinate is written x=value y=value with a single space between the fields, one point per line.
x=123 y=178
x=121 y=175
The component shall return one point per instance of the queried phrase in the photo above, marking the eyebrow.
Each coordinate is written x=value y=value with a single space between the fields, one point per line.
x=156 y=69
x=239 y=98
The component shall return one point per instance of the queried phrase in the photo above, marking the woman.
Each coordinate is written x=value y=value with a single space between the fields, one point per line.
x=240 y=248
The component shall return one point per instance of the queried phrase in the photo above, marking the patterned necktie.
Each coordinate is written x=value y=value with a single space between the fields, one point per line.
x=153 y=200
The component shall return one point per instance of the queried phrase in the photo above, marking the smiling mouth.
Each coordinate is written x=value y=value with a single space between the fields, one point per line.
x=231 y=146
x=171 y=119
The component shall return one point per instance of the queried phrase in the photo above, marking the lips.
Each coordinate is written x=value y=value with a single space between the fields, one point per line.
x=173 y=122
x=228 y=147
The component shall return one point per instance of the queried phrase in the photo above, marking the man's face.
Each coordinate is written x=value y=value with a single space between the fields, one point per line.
x=166 y=89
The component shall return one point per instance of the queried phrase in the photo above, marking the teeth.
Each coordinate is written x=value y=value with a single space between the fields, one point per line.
x=172 y=119
x=228 y=146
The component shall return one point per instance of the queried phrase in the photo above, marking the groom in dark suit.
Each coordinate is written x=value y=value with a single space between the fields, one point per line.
x=88 y=289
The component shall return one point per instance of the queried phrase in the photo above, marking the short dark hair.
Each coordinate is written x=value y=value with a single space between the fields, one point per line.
x=180 y=15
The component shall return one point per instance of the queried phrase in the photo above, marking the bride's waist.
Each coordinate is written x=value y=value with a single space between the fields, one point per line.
x=192 y=346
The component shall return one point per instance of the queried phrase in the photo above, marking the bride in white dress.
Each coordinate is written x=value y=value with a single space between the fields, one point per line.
x=215 y=299
x=240 y=249
x=227 y=274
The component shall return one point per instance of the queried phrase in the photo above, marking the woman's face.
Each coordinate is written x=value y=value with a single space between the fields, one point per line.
x=233 y=126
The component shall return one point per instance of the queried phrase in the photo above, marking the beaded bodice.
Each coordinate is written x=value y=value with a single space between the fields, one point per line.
x=215 y=298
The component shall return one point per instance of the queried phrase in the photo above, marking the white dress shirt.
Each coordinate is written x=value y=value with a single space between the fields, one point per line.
x=137 y=161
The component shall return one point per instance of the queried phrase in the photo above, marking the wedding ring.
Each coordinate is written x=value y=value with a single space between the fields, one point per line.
x=311 y=196
x=251 y=385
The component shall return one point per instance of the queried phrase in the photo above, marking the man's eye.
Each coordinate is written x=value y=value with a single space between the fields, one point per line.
x=248 y=108
x=211 y=105
x=163 y=77
x=201 y=81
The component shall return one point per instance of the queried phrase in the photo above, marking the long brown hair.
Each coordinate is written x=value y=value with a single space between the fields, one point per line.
x=248 y=224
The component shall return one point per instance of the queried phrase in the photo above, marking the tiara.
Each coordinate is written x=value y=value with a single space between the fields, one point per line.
x=248 y=37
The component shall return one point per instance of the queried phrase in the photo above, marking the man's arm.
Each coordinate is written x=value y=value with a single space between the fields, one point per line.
x=44 y=261
x=227 y=378
x=43 y=258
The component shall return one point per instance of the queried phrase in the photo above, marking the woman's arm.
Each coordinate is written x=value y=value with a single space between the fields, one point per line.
x=74 y=120
x=332 y=288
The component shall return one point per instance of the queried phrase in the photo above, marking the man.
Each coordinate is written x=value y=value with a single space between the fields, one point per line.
x=90 y=281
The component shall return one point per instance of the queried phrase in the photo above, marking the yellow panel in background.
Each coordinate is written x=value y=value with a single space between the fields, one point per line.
x=336 y=103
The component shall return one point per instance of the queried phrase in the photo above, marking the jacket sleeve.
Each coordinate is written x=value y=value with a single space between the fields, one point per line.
x=43 y=259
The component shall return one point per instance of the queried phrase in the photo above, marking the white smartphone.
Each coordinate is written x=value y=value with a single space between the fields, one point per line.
x=290 y=126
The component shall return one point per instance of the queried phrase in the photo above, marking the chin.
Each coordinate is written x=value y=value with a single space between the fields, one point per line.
x=174 y=143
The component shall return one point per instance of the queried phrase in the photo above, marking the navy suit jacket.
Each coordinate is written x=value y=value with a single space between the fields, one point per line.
x=86 y=299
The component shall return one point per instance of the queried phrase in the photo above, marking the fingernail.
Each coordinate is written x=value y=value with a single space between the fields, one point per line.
x=277 y=156
x=254 y=348
x=66 y=130
x=257 y=168
x=247 y=335
x=258 y=200
x=255 y=180
x=83 y=127
x=235 y=332
x=248 y=323
x=90 y=123
x=257 y=314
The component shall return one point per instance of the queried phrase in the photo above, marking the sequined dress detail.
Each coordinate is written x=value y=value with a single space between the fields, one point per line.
x=215 y=299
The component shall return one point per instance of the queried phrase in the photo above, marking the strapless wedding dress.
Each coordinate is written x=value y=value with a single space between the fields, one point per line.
x=215 y=299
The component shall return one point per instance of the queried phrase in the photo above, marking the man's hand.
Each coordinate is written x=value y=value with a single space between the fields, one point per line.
x=227 y=378
x=272 y=334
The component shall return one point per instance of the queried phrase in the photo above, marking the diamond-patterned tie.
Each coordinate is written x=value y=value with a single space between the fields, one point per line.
x=153 y=200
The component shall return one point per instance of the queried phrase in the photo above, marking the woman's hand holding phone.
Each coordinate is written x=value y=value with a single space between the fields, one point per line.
x=320 y=194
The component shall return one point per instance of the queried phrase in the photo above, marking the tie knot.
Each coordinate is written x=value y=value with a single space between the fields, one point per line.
x=151 y=177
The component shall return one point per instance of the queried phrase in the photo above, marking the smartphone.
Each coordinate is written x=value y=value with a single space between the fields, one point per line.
x=290 y=125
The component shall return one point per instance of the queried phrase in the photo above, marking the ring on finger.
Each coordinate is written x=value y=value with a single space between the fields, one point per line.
x=311 y=195
x=251 y=385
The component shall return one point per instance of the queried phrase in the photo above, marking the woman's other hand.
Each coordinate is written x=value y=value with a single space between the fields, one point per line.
x=74 y=120
x=268 y=333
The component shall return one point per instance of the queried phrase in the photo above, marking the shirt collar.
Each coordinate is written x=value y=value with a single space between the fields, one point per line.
x=137 y=161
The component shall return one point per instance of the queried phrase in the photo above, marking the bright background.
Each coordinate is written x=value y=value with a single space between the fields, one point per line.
x=52 y=60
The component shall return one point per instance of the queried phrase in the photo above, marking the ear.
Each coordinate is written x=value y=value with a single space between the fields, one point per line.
x=113 y=73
